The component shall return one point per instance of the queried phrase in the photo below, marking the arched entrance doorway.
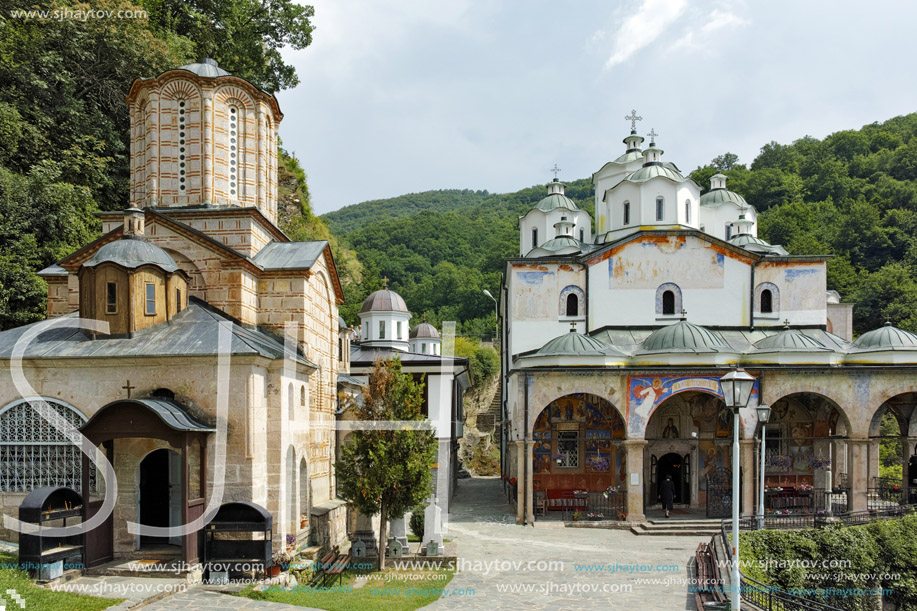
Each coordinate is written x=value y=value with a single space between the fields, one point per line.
x=160 y=495
x=676 y=466
x=892 y=469
x=689 y=436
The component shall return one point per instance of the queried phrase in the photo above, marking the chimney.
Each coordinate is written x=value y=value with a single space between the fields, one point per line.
x=133 y=223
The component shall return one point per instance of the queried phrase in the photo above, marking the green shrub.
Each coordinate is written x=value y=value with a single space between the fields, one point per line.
x=417 y=521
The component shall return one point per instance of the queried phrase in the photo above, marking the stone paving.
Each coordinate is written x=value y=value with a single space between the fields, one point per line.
x=484 y=531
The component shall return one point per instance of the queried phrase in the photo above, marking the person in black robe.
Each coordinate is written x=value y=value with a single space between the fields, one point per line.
x=667 y=494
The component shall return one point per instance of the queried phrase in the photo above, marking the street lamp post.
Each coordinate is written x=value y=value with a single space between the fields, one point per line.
x=496 y=314
x=736 y=386
x=764 y=414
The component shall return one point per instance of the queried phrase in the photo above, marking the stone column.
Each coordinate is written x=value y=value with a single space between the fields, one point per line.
x=873 y=463
x=520 y=469
x=530 y=482
x=858 y=474
x=635 y=449
x=821 y=448
x=749 y=476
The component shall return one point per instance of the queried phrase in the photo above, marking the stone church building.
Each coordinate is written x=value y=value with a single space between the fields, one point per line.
x=616 y=333
x=197 y=261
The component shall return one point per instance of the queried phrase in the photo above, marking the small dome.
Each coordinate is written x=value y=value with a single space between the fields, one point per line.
x=886 y=338
x=788 y=340
x=133 y=253
x=652 y=171
x=206 y=67
x=555 y=201
x=684 y=336
x=574 y=343
x=384 y=301
x=424 y=331
x=626 y=158
x=563 y=245
x=717 y=197
x=755 y=244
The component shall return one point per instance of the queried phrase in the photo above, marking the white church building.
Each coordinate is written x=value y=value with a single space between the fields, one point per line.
x=614 y=338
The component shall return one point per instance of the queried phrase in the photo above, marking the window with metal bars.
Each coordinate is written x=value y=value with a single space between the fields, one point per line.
x=33 y=453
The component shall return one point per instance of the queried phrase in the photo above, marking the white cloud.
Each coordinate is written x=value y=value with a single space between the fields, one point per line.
x=717 y=20
x=643 y=27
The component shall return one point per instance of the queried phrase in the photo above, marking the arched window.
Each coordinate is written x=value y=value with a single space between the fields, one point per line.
x=767 y=301
x=572 y=305
x=34 y=454
x=582 y=235
x=535 y=237
x=570 y=299
x=660 y=208
x=291 y=406
x=687 y=211
x=767 y=298
x=627 y=213
x=728 y=231
x=668 y=299
x=302 y=395
x=668 y=302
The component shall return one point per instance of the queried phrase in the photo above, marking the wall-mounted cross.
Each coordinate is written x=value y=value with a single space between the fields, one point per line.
x=556 y=171
x=652 y=135
x=128 y=388
x=633 y=118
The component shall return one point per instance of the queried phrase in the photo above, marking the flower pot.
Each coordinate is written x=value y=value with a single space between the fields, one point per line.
x=275 y=570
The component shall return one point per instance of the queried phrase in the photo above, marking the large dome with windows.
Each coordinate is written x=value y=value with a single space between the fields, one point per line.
x=384 y=301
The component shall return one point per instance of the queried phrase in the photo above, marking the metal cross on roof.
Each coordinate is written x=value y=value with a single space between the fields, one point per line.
x=633 y=118
x=652 y=135
x=684 y=314
x=786 y=323
x=385 y=282
x=128 y=388
x=572 y=326
x=556 y=171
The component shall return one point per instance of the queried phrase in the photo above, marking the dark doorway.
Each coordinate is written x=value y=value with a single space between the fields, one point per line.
x=672 y=464
x=158 y=495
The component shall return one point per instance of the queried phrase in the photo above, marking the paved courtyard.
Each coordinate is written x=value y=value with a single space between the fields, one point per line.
x=505 y=566
x=485 y=532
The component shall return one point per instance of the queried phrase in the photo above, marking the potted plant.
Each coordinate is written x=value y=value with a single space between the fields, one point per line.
x=303 y=521
x=594 y=517
x=280 y=561
x=576 y=515
x=622 y=515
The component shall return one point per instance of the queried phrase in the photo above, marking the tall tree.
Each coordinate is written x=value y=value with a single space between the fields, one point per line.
x=382 y=471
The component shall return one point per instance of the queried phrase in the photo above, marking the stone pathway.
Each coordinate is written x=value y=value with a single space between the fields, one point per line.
x=201 y=598
x=505 y=566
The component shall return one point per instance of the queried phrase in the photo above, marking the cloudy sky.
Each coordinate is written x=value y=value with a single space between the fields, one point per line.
x=406 y=96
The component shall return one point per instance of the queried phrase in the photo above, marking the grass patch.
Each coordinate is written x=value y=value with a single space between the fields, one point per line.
x=388 y=591
x=37 y=597
x=413 y=539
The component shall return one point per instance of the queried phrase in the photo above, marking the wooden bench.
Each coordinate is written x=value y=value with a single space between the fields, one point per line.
x=560 y=500
x=709 y=583
x=332 y=563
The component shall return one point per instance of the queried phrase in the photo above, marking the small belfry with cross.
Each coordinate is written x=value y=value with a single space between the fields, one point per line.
x=556 y=171
x=633 y=118
x=128 y=388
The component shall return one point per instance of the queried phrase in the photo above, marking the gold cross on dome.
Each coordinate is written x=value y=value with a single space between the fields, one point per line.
x=385 y=282
x=633 y=118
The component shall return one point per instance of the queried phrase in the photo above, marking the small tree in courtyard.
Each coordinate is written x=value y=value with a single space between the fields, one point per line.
x=387 y=472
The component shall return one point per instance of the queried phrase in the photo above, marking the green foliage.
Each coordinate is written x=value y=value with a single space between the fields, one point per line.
x=417 y=521
x=483 y=362
x=37 y=597
x=890 y=450
x=387 y=472
x=880 y=555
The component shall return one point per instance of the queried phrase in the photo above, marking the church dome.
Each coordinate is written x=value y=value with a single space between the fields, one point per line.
x=788 y=340
x=684 y=336
x=555 y=201
x=384 y=301
x=424 y=331
x=574 y=344
x=629 y=157
x=206 y=67
x=719 y=194
x=756 y=244
x=886 y=337
x=653 y=171
x=564 y=245
x=133 y=253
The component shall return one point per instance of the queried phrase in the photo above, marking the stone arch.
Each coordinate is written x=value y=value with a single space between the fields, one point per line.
x=578 y=444
x=771 y=396
x=663 y=303
x=760 y=298
x=565 y=295
x=291 y=402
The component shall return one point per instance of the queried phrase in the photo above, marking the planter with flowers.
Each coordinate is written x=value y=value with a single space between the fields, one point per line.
x=622 y=515
x=594 y=517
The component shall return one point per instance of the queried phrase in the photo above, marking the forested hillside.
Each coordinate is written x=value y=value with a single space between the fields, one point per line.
x=852 y=195
x=64 y=141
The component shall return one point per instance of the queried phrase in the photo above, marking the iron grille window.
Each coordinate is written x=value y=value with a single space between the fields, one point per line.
x=568 y=448
x=34 y=454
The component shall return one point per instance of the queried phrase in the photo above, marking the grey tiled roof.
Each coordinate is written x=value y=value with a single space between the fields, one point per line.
x=173 y=414
x=384 y=301
x=132 y=253
x=289 y=255
x=191 y=332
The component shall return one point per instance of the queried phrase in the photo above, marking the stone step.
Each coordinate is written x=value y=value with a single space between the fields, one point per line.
x=687 y=523
x=696 y=531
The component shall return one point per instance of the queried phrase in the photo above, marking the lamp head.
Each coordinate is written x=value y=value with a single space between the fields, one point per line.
x=737 y=386
x=764 y=413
